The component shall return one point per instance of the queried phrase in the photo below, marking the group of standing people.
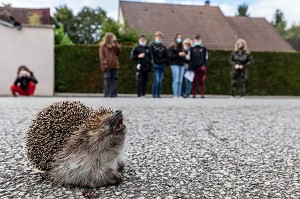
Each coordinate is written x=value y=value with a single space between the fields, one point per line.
x=188 y=59
x=188 y=56
x=183 y=55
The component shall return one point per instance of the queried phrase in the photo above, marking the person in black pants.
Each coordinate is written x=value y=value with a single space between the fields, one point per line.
x=240 y=61
x=142 y=56
x=109 y=51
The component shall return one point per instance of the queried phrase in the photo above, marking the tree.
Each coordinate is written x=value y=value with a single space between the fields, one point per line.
x=293 y=36
x=61 y=37
x=279 y=22
x=293 y=32
x=242 y=10
x=64 y=16
x=88 y=25
x=8 y=5
x=124 y=34
x=85 y=27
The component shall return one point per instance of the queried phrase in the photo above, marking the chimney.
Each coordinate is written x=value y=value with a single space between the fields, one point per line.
x=207 y=3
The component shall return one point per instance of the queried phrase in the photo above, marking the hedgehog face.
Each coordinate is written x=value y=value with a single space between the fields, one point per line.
x=106 y=126
x=115 y=122
x=109 y=133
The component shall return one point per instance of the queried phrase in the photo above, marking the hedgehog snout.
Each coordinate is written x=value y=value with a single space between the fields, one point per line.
x=116 y=120
x=117 y=112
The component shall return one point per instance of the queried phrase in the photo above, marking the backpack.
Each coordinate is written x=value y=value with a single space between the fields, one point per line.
x=198 y=57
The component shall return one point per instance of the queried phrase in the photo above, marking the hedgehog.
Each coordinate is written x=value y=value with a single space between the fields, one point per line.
x=77 y=145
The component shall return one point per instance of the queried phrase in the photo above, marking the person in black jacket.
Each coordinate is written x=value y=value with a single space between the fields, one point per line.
x=160 y=59
x=187 y=84
x=240 y=60
x=24 y=83
x=142 y=55
x=177 y=57
x=198 y=64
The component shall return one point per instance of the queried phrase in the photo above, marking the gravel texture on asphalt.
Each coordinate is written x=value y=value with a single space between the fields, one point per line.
x=175 y=148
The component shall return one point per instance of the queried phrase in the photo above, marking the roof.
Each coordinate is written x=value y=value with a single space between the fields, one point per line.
x=217 y=31
x=259 y=34
x=25 y=15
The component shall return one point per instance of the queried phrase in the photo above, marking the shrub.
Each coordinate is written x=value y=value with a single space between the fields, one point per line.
x=77 y=70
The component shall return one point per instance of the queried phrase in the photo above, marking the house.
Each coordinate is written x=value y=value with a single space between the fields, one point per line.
x=218 y=31
x=26 y=38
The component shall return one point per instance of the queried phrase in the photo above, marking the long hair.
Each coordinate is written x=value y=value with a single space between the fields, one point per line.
x=106 y=40
x=188 y=41
x=174 y=44
x=240 y=41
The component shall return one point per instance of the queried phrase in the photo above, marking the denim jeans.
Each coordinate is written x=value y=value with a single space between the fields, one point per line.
x=186 y=86
x=110 y=88
x=159 y=71
x=177 y=74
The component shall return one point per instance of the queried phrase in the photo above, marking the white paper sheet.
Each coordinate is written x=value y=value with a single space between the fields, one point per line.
x=189 y=75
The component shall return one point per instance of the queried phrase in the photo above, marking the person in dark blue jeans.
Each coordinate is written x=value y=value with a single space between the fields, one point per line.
x=159 y=59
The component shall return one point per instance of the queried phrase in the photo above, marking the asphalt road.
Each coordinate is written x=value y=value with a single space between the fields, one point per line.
x=175 y=148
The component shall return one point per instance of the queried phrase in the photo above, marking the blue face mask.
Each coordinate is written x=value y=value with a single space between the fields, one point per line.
x=157 y=41
x=179 y=40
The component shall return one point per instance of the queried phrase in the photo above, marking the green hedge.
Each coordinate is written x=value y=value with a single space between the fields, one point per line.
x=77 y=70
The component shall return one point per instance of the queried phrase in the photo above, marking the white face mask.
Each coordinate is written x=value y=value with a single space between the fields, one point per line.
x=198 y=43
x=142 y=43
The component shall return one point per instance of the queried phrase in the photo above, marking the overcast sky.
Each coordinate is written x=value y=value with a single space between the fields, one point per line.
x=257 y=8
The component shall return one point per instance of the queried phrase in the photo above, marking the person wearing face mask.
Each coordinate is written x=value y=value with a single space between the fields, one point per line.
x=240 y=60
x=177 y=57
x=159 y=60
x=108 y=51
x=187 y=84
x=142 y=56
x=198 y=64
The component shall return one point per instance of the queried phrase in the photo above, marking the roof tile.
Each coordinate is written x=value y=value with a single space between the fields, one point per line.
x=22 y=15
x=217 y=31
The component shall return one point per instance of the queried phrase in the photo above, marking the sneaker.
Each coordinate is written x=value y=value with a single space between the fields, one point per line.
x=194 y=96
x=202 y=96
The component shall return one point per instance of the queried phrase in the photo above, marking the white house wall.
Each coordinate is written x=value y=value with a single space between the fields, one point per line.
x=33 y=47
